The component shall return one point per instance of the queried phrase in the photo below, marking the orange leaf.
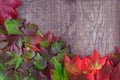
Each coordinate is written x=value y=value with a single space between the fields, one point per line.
x=74 y=65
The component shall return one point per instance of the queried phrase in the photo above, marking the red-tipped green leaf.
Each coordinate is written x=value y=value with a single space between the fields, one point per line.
x=74 y=65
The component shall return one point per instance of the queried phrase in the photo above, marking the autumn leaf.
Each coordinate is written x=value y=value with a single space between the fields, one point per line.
x=32 y=47
x=16 y=59
x=12 y=26
x=78 y=76
x=95 y=62
x=28 y=55
x=19 y=43
x=57 y=46
x=47 y=39
x=3 y=44
x=44 y=43
x=2 y=30
x=40 y=63
x=7 y=9
x=60 y=55
x=105 y=72
x=31 y=30
x=116 y=73
x=115 y=57
x=74 y=65
x=30 y=75
x=91 y=75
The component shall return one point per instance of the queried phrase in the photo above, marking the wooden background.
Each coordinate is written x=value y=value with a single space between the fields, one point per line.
x=84 y=24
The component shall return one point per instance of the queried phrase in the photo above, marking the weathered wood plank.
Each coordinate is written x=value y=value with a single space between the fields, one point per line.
x=84 y=24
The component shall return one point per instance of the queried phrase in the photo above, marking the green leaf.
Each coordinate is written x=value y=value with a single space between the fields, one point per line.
x=26 y=78
x=16 y=76
x=37 y=65
x=2 y=67
x=9 y=53
x=2 y=63
x=56 y=46
x=44 y=43
x=40 y=63
x=57 y=72
x=27 y=39
x=60 y=55
x=38 y=32
x=12 y=26
x=30 y=55
x=66 y=75
x=16 y=60
x=19 y=43
x=31 y=77
x=3 y=76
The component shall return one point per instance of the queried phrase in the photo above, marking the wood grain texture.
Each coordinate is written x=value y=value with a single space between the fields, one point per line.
x=84 y=24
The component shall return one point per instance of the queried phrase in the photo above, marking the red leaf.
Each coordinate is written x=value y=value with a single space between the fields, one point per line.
x=48 y=36
x=7 y=9
x=78 y=62
x=34 y=48
x=116 y=73
x=88 y=61
x=94 y=62
x=102 y=61
x=30 y=30
x=115 y=57
x=78 y=76
x=91 y=75
x=95 y=56
x=84 y=68
x=105 y=72
x=74 y=65
x=67 y=59
x=117 y=50
x=35 y=40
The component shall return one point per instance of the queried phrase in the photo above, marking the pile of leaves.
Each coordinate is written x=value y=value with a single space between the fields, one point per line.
x=93 y=67
x=28 y=54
